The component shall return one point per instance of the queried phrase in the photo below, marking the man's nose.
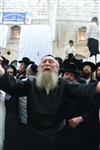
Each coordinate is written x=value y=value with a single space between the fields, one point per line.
x=47 y=62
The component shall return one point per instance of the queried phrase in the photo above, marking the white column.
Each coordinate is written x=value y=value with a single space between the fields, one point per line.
x=52 y=9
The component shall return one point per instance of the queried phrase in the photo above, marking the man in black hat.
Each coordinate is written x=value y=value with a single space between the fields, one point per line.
x=11 y=70
x=87 y=71
x=73 y=65
x=80 y=118
x=22 y=68
x=70 y=50
x=70 y=72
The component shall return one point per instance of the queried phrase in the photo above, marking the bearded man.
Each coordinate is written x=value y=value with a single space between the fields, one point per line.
x=87 y=71
x=47 y=103
x=47 y=80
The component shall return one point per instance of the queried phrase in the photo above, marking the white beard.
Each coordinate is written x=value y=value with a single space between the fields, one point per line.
x=46 y=80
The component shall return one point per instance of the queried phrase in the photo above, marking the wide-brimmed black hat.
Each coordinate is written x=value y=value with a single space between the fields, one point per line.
x=97 y=65
x=70 y=67
x=93 y=66
x=25 y=60
x=15 y=70
x=12 y=67
x=77 y=62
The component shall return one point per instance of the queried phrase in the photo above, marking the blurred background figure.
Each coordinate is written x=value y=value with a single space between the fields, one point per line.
x=93 y=37
x=32 y=70
x=70 y=51
x=22 y=68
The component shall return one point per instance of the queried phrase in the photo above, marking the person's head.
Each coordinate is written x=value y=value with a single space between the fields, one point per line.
x=69 y=76
x=70 y=72
x=71 y=42
x=77 y=62
x=49 y=64
x=32 y=69
x=47 y=76
x=87 y=69
x=24 y=63
x=22 y=67
x=11 y=70
x=95 y=19
x=98 y=71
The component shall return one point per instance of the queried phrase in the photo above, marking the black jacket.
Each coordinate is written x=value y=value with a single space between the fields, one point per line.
x=45 y=112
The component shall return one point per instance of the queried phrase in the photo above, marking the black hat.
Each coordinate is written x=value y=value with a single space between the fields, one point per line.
x=60 y=61
x=25 y=60
x=77 y=62
x=70 y=67
x=93 y=66
x=34 y=68
x=14 y=69
x=97 y=65
x=5 y=62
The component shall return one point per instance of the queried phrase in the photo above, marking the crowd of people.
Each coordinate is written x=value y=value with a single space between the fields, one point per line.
x=53 y=105
x=50 y=106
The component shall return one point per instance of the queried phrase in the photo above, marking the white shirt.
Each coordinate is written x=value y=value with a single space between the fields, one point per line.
x=88 y=80
x=93 y=31
x=70 y=50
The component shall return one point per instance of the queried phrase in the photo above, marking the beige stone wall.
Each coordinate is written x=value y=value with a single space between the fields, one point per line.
x=65 y=30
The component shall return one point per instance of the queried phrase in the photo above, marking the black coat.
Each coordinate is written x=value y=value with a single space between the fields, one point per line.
x=45 y=112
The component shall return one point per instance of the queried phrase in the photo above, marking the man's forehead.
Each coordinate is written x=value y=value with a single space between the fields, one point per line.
x=48 y=58
x=87 y=66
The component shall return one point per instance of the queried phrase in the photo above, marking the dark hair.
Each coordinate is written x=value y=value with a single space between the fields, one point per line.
x=71 y=41
x=94 y=19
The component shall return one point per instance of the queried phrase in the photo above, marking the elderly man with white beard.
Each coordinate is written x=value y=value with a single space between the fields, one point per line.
x=47 y=104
